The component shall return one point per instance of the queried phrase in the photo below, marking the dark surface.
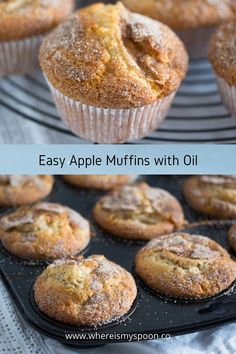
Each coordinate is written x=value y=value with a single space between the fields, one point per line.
x=152 y=313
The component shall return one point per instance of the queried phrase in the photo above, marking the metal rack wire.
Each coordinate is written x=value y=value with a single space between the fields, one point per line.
x=197 y=115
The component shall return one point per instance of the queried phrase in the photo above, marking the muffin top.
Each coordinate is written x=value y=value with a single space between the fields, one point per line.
x=212 y=195
x=144 y=204
x=24 y=189
x=222 y=52
x=185 y=14
x=185 y=265
x=95 y=291
x=103 y=182
x=44 y=231
x=106 y=56
x=25 y=18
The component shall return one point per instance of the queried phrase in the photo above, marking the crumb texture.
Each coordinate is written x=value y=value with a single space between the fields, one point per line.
x=90 y=291
x=108 y=57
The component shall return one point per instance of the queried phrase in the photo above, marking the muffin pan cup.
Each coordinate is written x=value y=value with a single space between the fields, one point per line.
x=228 y=95
x=20 y=57
x=152 y=313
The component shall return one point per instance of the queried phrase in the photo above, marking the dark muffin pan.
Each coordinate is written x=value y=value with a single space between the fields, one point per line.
x=152 y=313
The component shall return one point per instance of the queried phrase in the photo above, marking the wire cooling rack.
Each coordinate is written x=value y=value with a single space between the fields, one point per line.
x=196 y=116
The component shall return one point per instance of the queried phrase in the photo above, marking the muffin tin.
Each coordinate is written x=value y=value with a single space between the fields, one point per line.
x=151 y=313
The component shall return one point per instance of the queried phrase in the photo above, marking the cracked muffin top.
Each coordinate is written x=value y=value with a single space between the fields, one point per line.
x=139 y=212
x=25 y=18
x=24 y=189
x=106 y=56
x=185 y=14
x=222 y=52
x=212 y=195
x=95 y=291
x=44 y=231
x=185 y=265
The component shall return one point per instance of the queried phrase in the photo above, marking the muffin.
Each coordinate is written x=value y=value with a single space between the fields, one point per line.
x=232 y=237
x=23 y=26
x=45 y=231
x=113 y=74
x=91 y=291
x=103 y=182
x=214 y=196
x=22 y=189
x=222 y=55
x=184 y=265
x=193 y=20
x=139 y=212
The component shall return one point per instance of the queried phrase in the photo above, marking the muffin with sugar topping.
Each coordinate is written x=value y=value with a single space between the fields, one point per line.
x=24 y=189
x=193 y=20
x=184 y=265
x=113 y=73
x=23 y=25
x=139 y=212
x=214 y=196
x=222 y=55
x=102 y=182
x=45 y=231
x=85 y=292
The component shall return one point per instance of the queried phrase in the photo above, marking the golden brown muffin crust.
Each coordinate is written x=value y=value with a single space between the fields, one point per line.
x=44 y=231
x=222 y=52
x=89 y=291
x=103 y=182
x=232 y=237
x=21 y=19
x=106 y=56
x=212 y=195
x=24 y=189
x=139 y=212
x=185 y=14
x=184 y=265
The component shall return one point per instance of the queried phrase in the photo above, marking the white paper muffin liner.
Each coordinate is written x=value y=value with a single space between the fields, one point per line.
x=228 y=95
x=110 y=126
x=19 y=57
x=196 y=41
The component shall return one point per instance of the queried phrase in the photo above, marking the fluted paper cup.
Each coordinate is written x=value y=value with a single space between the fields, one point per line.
x=228 y=95
x=196 y=41
x=110 y=126
x=19 y=57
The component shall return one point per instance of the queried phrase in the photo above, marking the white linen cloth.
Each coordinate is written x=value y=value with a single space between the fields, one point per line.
x=17 y=337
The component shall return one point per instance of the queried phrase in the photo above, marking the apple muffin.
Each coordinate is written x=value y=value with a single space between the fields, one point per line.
x=85 y=292
x=193 y=20
x=185 y=266
x=24 y=189
x=103 y=182
x=23 y=26
x=214 y=196
x=45 y=231
x=232 y=237
x=139 y=212
x=113 y=74
x=222 y=55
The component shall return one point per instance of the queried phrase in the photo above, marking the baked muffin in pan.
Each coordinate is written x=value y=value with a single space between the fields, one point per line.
x=232 y=237
x=45 y=231
x=103 y=182
x=214 y=196
x=85 y=292
x=113 y=73
x=23 y=25
x=139 y=212
x=193 y=20
x=24 y=189
x=185 y=266
x=222 y=55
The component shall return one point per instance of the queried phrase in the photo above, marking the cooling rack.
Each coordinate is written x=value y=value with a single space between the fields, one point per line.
x=196 y=116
